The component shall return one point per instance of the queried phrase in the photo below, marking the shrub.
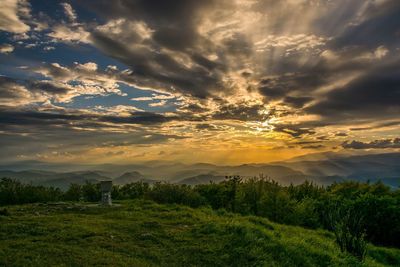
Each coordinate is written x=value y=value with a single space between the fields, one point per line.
x=131 y=191
x=348 y=227
x=91 y=192
x=14 y=192
x=175 y=194
x=216 y=195
x=74 y=193
x=305 y=213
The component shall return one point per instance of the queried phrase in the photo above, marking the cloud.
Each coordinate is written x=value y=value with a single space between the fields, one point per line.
x=70 y=142
x=48 y=86
x=84 y=119
x=158 y=104
x=11 y=13
x=381 y=52
x=63 y=83
x=142 y=98
x=69 y=12
x=376 y=18
x=80 y=79
x=241 y=112
x=258 y=71
x=48 y=48
x=6 y=48
x=206 y=126
x=296 y=131
x=13 y=93
x=376 y=90
x=295 y=67
x=376 y=144
x=378 y=125
x=89 y=66
x=164 y=98
x=291 y=43
x=297 y=102
x=69 y=34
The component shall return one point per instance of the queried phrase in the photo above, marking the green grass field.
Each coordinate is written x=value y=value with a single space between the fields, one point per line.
x=142 y=233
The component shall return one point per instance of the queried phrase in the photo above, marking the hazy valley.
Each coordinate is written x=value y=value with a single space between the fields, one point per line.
x=335 y=168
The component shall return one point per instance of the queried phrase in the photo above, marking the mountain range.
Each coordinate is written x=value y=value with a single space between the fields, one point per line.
x=329 y=168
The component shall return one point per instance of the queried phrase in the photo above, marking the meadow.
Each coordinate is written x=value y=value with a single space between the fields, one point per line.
x=144 y=233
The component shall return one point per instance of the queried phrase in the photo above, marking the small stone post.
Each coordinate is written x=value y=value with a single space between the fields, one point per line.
x=106 y=187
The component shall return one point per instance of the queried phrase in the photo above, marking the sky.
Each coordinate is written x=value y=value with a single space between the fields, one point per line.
x=218 y=81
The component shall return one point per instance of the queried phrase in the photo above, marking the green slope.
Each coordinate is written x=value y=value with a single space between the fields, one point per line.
x=141 y=233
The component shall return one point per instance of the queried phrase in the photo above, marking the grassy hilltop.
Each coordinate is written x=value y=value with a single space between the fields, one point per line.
x=142 y=233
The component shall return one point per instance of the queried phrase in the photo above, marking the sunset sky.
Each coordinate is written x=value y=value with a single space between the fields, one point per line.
x=218 y=81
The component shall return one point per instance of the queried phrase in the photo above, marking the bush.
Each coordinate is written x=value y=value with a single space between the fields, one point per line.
x=348 y=227
x=131 y=191
x=305 y=213
x=74 y=193
x=91 y=192
x=175 y=194
x=214 y=194
x=14 y=192
x=277 y=206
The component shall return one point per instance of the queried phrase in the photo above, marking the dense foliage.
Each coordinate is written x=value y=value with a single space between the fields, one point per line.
x=14 y=192
x=353 y=211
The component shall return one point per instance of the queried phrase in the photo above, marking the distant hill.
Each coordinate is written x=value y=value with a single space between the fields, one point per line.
x=322 y=168
x=202 y=179
x=362 y=168
x=60 y=180
x=30 y=176
x=132 y=177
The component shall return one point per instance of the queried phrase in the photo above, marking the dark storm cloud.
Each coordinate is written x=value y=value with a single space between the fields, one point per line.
x=161 y=70
x=241 y=112
x=383 y=143
x=206 y=126
x=380 y=24
x=47 y=87
x=238 y=45
x=377 y=126
x=377 y=93
x=296 y=131
x=309 y=144
x=6 y=90
x=144 y=118
x=297 y=102
x=7 y=87
x=158 y=12
x=205 y=62
x=175 y=37
x=278 y=87
x=30 y=117
x=193 y=108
